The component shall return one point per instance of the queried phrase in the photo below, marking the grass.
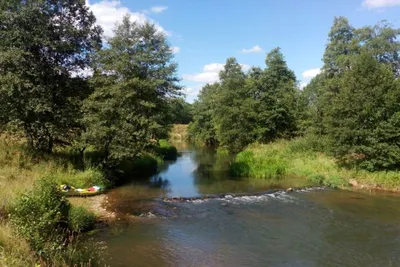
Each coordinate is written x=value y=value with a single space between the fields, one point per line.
x=302 y=157
x=14 y=251
x=19 y=170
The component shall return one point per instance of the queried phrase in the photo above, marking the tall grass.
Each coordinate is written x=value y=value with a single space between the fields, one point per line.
x=20 y=169
x=307 y=158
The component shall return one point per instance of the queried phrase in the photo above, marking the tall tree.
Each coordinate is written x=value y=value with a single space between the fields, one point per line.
x=134 y=78
x=202 y=127
x=277 y=99
x=341 y=44
x=230 y=117
x=363 y=117
x=42 y=43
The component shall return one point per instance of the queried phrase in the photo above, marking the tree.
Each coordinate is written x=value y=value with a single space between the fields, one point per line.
x=229 y=116
x=202 y=127
x=180 y=110
x=381 y=41
x=341 y=44
x=134 y=78
x=277 y=99
x=363 y=117
x=261 y=105
x=42 y=43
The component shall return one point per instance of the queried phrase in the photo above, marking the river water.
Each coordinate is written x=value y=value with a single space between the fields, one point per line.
x=314 y=227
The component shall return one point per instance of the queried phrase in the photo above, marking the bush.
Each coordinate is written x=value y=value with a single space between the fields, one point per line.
x=45 y=219
x=41 y=217
x=166 y=150
x=80 y=219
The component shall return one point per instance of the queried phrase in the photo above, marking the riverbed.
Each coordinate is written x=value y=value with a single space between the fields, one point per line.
x=310 y=227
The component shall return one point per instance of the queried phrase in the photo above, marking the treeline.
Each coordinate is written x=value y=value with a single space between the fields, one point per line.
x=122 y=109
x=353 y=105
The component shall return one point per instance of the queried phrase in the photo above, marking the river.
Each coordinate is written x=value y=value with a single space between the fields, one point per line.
x=314 y=227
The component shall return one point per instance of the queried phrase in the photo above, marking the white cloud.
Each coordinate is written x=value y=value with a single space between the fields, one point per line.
x=245 y=67
x=309 y=74
x=210 y=73
x=175 y=49
x=303 y=84
x=109 y=12
x=254 y=49
x=158 y=9
x=192 y=92
x=213 y=67
x=202 y=77
x=371 y=4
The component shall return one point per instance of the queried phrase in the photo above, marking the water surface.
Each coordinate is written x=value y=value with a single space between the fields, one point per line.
x=305 y=228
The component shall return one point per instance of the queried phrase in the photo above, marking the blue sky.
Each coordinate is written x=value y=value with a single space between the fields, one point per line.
x=204 y=33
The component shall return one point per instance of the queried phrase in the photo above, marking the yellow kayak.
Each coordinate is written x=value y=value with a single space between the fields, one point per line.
x=72 y=191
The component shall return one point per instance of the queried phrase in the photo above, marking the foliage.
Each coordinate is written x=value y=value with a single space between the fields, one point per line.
x=202 y=127
x=180 y=110
x=41 y=217
x=166 y=150
x=80 y=219
x=354 y=101
x=295 y=158
x=42 y=43
x=363 y=118
x=133 y=79
x=261 y=105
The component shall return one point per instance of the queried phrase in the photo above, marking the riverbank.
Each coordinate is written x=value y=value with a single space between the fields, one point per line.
x=302 y=158
x=21 y=170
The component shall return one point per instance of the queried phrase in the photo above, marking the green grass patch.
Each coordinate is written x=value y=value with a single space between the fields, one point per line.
x=305 y=158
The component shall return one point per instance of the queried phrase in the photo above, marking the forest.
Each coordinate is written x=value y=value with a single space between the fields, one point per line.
x=79 y=108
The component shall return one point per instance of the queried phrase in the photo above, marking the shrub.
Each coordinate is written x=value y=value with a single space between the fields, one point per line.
x=166 y=150
x=80 y=219
x=41 y=217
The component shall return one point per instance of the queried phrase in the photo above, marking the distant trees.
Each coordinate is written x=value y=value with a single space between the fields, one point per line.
x=243 y=108
x=41 y=44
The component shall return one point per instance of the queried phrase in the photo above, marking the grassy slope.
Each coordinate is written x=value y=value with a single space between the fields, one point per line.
x=300 y=158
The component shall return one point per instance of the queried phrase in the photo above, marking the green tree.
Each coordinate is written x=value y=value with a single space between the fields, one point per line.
x=229 y=116
x=202 y=127
x=134 y=78
x=42 y=43
x=261 y=105
x=363 y=117
x=180 y=110
x=277 y=99
x=341 y=44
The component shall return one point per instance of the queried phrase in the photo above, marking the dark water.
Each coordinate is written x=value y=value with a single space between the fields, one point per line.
x=305 y=228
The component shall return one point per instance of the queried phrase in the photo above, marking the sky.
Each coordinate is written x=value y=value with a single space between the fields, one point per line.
x=204 y=33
